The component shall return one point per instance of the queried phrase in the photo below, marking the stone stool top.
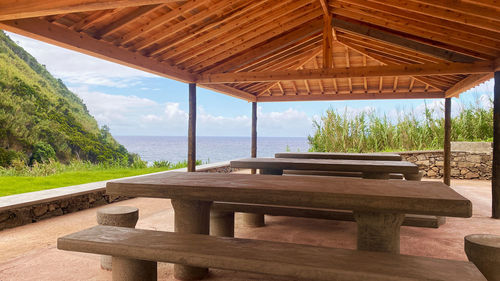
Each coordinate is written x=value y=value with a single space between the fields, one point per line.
x=124 y=216
x=484 y=251
x=485 y=240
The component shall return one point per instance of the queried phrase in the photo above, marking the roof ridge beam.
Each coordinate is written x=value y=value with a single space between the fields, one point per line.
x=18 y=9
x=481 y=67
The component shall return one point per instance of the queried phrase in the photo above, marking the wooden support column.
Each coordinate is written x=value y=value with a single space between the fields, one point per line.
x=447 y=139
x=254 y=132
x=327 y=41
x=192 y=129
x=495 y=182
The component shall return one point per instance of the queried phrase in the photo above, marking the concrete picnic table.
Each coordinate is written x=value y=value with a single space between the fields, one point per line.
x=340 y=155
x=379 y=206
x=372 y=169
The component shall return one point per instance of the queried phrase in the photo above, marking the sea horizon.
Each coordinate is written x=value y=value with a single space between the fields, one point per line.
x=209 y=149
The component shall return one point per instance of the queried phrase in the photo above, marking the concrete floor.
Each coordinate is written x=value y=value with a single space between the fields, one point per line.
x=29 y=252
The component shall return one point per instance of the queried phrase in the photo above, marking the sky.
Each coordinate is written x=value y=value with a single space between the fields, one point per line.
x=136 y=103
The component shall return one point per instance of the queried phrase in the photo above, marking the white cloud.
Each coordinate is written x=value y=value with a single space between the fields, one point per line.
x=77 y=68
x=132 y=115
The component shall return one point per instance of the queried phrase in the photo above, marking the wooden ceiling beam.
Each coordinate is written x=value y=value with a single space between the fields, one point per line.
x=439 y=36
x=361 y=96
x=18 y=9
x=230 y=91
x=470 y=82
x=253 y=53
x=80 y=42
x=230 y=35
x=464 y=8
x=208 y=32
x=117 y=23
x=460 y=28
x=443 y=13
x=350 y=72
x=400 y=41
x=159 y=21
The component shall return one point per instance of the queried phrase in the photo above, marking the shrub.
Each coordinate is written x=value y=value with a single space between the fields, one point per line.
x=42 y=153
x=6 y=157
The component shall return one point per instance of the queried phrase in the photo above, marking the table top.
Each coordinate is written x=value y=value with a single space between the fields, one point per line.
x=411 y=197
x=369 y=166
x=340 y=155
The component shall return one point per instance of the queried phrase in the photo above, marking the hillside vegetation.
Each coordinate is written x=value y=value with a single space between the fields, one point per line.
x=40 y=119
x=370 y=132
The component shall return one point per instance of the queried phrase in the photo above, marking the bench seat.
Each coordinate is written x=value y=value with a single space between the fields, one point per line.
x=272 y=258
x=341 y=215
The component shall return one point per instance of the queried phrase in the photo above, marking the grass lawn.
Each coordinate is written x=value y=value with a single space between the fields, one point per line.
x=10 y=185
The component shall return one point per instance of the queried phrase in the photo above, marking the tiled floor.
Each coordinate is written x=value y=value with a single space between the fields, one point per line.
x=29 y=253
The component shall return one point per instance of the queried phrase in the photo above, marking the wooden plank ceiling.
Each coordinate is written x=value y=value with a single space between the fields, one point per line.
x=281 y=50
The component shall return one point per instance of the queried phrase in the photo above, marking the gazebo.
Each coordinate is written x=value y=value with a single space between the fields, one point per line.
x=287 y=50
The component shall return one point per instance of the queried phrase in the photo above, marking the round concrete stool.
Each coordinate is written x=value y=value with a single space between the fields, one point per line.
x=123 y=216
x=484 y=251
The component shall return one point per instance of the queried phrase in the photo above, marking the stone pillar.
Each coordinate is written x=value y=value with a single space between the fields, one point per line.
x=191 y=216
x=221 y=223
x=192 y=129
x=447 y=141
x=131 y=270
x=258 y=220
x=378 y=232
x=495 y=181
x=123 y=216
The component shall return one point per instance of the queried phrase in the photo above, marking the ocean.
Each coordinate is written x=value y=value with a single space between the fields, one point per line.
x=208 y=149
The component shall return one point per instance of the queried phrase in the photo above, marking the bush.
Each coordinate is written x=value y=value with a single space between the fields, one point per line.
x=6 y=157
x=42 y=153
x=368 y=132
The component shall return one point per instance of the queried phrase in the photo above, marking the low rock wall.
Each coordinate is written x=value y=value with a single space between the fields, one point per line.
x=464 y=165
x=21 y=209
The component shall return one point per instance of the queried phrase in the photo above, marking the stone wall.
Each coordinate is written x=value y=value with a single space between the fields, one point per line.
x=464 y=164
x=21 y=209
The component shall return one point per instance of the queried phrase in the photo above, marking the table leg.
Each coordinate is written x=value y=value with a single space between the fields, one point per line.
x=221 y=223
x=191 y=216
x=378 y=176
x=257 y=220
x=378 y=232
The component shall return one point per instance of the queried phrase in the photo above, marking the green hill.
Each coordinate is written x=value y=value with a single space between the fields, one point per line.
x=40 y=118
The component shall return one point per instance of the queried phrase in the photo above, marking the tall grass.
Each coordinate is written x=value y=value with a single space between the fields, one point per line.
x=370 y=132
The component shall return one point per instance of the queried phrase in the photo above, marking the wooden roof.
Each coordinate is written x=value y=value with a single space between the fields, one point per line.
x=281 y=50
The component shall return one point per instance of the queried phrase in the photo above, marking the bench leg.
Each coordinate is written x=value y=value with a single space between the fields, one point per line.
x=221 y=223
x=376 y=176
x=191 y=216
x=131 y=270
x=414 y=177
x=378 y=232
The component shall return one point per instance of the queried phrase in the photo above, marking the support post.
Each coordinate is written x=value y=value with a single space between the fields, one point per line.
x=495 y=182
x=192 y=129
x=254 y=132
x=447 y=139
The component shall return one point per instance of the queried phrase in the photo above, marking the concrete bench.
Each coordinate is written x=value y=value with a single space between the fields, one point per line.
x=222 y=216
x=135 y=253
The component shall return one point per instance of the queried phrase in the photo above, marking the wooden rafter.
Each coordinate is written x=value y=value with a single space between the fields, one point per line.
x=15 y=9
x=361 y=96
x=350 y=72
x=400 y=41
x=467 y=83
x=444 y=13
x=53 y=34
